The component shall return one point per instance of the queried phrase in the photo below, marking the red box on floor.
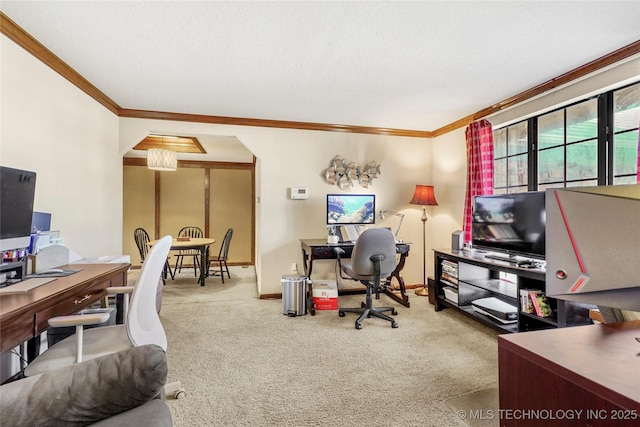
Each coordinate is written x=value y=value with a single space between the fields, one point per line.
x=325 y=295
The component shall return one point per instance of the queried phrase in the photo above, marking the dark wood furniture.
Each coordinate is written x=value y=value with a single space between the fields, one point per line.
x=480 y=277
x=201 y=244
x=590 y=373
x=24 y=316
x=319 y=249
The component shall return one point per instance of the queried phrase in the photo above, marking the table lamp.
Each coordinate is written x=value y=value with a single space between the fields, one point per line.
x=424 y=196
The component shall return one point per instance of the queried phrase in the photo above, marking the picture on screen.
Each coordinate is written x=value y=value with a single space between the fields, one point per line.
x=351 y=209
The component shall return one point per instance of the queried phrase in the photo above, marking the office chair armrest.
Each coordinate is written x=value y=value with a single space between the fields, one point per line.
x=78 y=319
x=340 y=251
x=116 y=290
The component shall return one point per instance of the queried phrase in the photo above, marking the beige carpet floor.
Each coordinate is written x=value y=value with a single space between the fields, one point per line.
x=242 y=362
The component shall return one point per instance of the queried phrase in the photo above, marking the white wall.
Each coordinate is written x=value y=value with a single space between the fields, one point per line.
x=76 y=146
x=295 y=158
x=71 y=142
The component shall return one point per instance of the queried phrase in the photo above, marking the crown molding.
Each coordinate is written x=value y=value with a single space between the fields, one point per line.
x=23 y=39
x=282 y=124
x=621 y=54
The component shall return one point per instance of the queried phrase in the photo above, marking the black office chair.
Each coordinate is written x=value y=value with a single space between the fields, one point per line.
x=223 y=256
x=142 y=239
x=373 y=258
x=190 y=231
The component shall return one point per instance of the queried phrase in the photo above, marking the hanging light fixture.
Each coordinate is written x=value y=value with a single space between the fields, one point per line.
x=161 y=159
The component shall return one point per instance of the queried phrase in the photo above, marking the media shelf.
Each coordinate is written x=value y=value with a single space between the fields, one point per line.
x=462 y=277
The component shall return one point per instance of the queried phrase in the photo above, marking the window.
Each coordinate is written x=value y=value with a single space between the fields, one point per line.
x=594 y=141
x=626 y=116
x=510 y=153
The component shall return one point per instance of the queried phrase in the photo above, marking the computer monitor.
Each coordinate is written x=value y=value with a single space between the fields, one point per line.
x=351 y=209
x=17 y=191
x=40 y=221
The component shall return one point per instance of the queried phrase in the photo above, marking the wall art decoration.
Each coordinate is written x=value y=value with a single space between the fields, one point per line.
x=344 y=173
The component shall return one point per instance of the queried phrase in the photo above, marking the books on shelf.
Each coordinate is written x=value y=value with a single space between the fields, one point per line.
x=526 y=306
x=540 y=303
x=449 y=273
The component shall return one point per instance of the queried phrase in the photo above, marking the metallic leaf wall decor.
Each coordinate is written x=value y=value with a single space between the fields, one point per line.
x=344 y=174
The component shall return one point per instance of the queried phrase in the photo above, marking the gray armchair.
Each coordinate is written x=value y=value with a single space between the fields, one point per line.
x=373 y=258
x=120 y=389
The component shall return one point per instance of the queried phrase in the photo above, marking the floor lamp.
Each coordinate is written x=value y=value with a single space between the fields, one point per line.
x=424 y=196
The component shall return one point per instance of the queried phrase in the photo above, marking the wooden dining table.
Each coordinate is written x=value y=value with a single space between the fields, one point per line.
x=199 y=243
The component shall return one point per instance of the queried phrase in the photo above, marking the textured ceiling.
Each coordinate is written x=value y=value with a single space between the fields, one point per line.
x=405 y=65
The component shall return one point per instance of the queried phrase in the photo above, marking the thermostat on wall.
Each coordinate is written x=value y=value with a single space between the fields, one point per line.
x=298 y=193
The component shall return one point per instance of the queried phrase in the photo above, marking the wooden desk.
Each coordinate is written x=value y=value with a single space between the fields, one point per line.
x=313 y=249
x=594 y=369
x=25 y=316
x=200 y=243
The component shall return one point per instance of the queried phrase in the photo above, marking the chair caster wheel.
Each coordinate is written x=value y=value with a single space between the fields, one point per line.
x=341 y=314
x=179 y=394
x=394 y=312
x=394 y=324
x=358 y=325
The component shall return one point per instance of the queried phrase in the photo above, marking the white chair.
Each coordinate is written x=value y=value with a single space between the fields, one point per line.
x=142 y=324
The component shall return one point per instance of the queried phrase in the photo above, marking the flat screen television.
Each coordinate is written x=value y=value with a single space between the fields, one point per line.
x=351 y=209
x=17 y=191
x=513 y=224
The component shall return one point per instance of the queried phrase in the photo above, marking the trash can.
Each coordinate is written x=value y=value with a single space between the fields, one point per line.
x=294 y=294
x=58 y=334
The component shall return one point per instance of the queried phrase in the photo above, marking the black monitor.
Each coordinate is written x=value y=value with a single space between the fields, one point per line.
x=513 y=224
x=17 y=193
x=351 y=209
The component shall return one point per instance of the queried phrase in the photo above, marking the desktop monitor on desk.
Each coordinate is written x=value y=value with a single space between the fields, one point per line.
x=350 y=212
x=16 y=207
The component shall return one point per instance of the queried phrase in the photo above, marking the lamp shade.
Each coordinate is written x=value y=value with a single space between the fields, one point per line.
x=424 y=195
x=162 y=160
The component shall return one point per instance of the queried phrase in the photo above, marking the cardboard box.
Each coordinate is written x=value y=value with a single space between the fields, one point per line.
x=325 y=295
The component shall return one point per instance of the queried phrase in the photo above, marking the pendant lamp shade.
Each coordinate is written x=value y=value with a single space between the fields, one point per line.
x=162 y=160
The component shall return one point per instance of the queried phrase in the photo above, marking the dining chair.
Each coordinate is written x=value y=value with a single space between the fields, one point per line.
x=142 y=239
x=190 y=231
x=223 y=256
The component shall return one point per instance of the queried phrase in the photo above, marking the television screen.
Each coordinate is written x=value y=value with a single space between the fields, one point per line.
x=345 y=209
x=16 y=207
x=510 y=223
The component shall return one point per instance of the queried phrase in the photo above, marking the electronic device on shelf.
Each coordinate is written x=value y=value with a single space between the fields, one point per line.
x=593 y=246
x=16 y=207
x=511 y=224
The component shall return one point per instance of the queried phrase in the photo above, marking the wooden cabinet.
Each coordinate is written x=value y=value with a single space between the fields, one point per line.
x=584 y=376
x=461 y=278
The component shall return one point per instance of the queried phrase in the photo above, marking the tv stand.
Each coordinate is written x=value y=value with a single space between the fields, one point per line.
x=462 y=277
x=505 y=258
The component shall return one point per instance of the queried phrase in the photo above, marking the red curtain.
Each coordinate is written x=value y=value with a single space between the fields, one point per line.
x=479 y=167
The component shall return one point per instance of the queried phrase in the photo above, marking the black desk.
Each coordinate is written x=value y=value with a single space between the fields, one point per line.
x=313 y=249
